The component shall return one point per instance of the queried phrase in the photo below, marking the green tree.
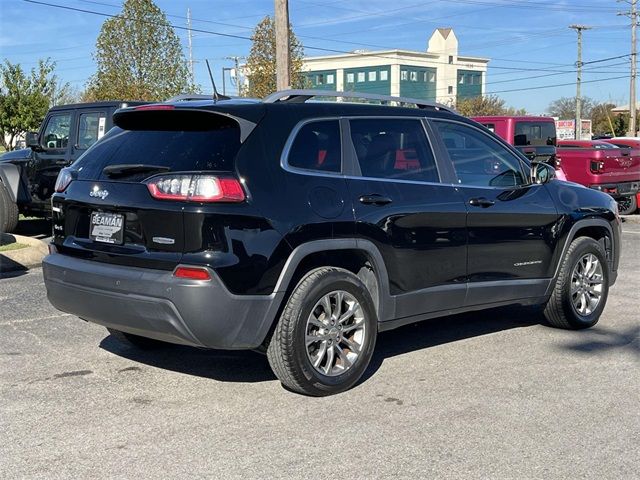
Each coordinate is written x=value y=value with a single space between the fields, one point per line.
x=261 y=63
x=565 y=108
x=25 y=98
x=485 y=105
x=138 y=57
x=602 y=118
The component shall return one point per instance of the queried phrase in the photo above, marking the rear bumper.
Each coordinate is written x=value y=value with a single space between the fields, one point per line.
x=620 y=189
x=155 y=304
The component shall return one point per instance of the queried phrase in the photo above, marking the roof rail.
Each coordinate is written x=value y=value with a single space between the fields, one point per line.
x=301 y=96
x=187 y=97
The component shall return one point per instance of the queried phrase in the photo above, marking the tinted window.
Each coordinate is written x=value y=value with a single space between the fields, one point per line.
x=535 y=133
x=179 y=150
x=393 y=148
x=56 y=133
x=90 y=128
x=478 y=159
x=317 y=147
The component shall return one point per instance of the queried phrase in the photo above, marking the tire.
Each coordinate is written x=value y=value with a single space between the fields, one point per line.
x=304 y=316
x=131 y=340
x=6 y=210
x=561 y=310
x=627 y=205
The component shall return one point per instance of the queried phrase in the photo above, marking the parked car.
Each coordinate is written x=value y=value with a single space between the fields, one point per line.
x=605 y=167
x=28 y=176
x=302 y=229
x=632 y=203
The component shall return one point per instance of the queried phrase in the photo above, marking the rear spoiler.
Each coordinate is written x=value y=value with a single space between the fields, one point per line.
x=162 y=116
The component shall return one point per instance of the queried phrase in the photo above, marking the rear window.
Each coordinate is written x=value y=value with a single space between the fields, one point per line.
x=534 y=133
x=180 y=150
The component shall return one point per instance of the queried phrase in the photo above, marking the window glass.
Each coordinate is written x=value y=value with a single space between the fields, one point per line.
x=394 y=149
x=361 y=76
x=413 y=76
x=384 y=75
x=90 y=128
x=350 y=77
x=330 y=79
x=180 y=150
x=320 y=79
x=490 y=126
x=535 y=133
x=432 y=77
x=317 y=147
x=478 y=159
x=56 y=134
x=403 y=75
x=372 y=76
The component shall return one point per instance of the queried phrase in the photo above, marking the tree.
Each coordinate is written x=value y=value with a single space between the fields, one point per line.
x=602 y=118
x=261 y=63
x=25 y=98
x=485 y=105
x=138 y=57
x=565 y=108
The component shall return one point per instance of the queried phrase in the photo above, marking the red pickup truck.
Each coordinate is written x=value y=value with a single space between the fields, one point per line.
x=603 y=166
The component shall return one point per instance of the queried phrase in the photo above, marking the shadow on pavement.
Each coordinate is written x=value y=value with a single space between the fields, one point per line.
x=599 y=339
x=248 y=366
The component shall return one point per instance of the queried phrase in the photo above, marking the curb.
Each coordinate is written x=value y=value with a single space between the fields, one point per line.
x=24 y=258
x=631 y=218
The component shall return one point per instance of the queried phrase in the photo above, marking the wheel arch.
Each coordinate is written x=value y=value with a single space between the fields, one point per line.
x=600 y=230
x=359 y=256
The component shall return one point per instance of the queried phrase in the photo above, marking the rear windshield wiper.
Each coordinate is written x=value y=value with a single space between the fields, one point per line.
x=124 y=169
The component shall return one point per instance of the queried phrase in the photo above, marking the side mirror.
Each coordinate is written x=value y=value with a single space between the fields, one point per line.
x=542 y=172
x=31 y=140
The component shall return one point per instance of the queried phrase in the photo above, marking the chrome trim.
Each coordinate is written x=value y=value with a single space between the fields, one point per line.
x=284 y=157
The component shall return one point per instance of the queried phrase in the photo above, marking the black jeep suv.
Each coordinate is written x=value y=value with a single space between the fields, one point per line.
x=305 y=228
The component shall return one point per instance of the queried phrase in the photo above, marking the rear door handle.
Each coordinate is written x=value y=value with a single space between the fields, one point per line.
x=481 y=202
x=375 y=199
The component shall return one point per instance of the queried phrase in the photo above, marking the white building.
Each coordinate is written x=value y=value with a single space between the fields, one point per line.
x=440 y=74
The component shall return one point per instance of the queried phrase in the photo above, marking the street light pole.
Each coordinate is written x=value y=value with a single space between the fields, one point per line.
x=578 y=126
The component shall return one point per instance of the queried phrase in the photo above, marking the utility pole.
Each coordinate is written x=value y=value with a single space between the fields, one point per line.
x=283 y=62
x=578 y=126
x=236 y=67
x=193 y=79
x=633 y=14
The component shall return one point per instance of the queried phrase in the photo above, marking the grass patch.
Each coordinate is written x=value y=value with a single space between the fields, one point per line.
x=12 y=246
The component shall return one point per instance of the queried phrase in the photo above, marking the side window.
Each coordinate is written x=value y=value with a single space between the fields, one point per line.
x=394 y=149
x=478 y=159
x=56 y=133
x=317 y=147
x=90 y=128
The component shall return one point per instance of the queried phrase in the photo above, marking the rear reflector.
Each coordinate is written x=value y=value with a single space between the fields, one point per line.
x=196 y=188
x=192 y=273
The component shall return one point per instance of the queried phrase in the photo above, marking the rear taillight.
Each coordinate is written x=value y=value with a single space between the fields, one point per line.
x=196 y=188
x=597 y=167
x=192 y=273
x=64 y=179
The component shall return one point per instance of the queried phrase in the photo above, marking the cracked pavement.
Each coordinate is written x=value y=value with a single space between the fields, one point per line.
x=494 y=394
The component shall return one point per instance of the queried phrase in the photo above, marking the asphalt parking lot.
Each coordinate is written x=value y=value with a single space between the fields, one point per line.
x=493 y=394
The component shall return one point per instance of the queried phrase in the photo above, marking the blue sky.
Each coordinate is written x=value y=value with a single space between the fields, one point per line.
x=528 y=41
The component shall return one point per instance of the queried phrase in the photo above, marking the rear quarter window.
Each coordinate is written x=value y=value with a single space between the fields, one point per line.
x=534 y=133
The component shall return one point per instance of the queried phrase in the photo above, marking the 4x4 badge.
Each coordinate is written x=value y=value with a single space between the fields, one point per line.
x=97 y=193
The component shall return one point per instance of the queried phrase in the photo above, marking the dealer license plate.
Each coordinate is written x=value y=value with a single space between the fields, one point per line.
x=107 y=228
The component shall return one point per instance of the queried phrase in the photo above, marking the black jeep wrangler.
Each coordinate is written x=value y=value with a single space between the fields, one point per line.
x=304 y=228
x=27 y=176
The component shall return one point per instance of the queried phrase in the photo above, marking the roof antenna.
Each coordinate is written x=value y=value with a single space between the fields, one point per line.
x=216 y=96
